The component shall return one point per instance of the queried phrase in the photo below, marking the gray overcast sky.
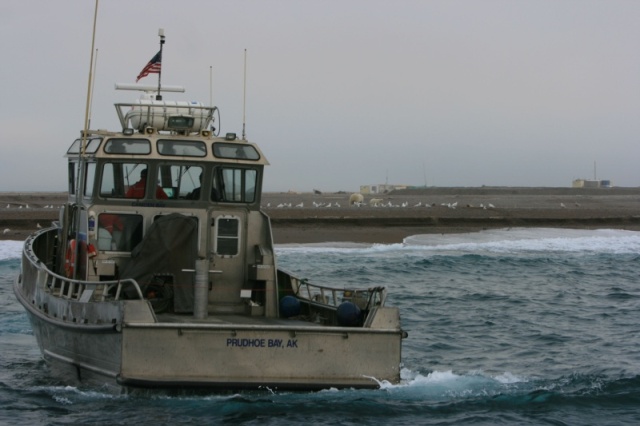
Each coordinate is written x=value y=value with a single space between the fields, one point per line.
x=344 y=93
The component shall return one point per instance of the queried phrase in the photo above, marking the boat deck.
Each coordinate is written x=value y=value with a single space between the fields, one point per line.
x=231 y=319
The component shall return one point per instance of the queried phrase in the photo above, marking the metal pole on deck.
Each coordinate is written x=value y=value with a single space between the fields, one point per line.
x=83 y=146
x=201 y=290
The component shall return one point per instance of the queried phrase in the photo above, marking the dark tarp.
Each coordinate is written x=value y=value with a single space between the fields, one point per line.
x=169 y=246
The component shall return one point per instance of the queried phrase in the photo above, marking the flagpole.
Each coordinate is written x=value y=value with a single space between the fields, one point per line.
x=161 y=34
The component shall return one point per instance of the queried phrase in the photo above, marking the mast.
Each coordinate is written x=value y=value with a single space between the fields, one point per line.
x=80 y=179
x=244 y=97
x=210 y=85
x=161 y=35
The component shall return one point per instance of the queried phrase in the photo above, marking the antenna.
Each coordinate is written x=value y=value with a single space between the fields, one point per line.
x=89 y=85
x=93 y=83
x=161 y=34
x=210 y=86
x=244 y=98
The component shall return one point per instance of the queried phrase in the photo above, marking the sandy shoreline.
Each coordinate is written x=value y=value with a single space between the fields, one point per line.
x=313 y=218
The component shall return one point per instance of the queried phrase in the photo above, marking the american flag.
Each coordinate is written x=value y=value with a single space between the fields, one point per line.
x=153 y=67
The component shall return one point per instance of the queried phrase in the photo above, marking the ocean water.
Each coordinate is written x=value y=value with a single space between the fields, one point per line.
x=516 y=327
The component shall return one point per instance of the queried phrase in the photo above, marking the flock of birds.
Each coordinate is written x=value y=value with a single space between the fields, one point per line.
x=375 y=202
x=379 y=204
x=5 y=231
x=26 y=206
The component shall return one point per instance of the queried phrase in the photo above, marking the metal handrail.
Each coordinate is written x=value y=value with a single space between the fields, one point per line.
x=152 y=107
x=333 y=297
x=74 y=289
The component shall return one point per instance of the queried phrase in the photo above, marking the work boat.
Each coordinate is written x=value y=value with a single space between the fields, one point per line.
x=161 y=272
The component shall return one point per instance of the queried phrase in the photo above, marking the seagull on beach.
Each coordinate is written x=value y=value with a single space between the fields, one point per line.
x=300 y=205
x=6 y=231
x=38 y=226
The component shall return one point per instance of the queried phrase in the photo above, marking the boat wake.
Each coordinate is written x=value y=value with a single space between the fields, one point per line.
x=415 y=392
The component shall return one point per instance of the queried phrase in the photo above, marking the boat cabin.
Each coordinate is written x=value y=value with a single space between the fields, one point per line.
x=147 y=202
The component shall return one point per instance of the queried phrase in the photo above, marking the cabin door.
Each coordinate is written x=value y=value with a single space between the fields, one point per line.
x=229 y=256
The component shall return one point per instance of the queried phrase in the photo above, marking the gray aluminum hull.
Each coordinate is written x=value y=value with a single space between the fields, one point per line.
x=218 y=353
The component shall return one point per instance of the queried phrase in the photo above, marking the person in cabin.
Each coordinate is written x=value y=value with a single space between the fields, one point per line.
x=195 y=194
x=138 y=188
x=110 y=227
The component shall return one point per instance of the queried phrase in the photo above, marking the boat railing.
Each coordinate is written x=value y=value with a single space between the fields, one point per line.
x=157 y=114
x=39 y=245
x=364 y=298
x=85 y=291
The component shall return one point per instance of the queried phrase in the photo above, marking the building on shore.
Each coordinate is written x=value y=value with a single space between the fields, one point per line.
x=380 y=189
x=591 y=183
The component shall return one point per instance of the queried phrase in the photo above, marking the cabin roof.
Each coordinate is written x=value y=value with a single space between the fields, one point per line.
x=153 y=145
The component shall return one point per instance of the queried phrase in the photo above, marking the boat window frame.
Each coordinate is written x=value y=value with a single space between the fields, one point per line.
x=185 y=143
x=93 y=144
x=125 y=151
x=72 y=173
x=201 y=166
x=221 y=184
x=116 y=178
x=227 y=238
x=90 y=178
x=220 y=148
x=131 y=231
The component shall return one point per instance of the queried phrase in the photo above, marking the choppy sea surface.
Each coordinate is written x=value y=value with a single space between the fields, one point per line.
x=516 y=327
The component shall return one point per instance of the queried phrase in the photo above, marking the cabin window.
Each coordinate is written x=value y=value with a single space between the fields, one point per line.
x=119 y=232
x=128 y=146
x=90 y=177
x=127 y=180
x=236 y=185
x=227 y=236
x=73 y=167
x=118 y=180
x=90 y=148
x=235 y=151
x=181 y=181
x=182 y=148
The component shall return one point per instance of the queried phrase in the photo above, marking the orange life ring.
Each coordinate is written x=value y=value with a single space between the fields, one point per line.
x=70 y=259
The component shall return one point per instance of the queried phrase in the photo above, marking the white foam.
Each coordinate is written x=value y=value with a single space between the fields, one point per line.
x=511 y=240
x=444 y=385
x=612 y=241
x=537 y=239
x=10 y=249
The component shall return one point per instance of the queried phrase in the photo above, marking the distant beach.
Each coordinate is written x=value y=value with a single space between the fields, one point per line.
x=328 y=217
